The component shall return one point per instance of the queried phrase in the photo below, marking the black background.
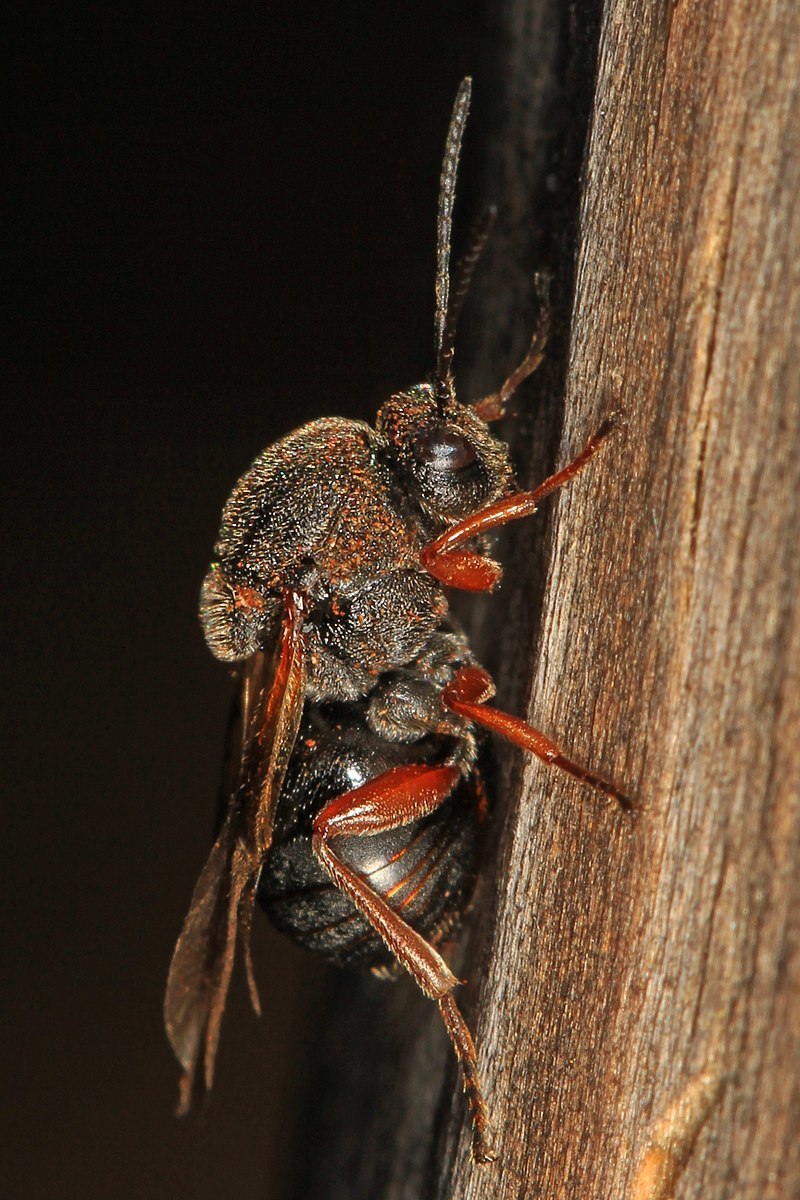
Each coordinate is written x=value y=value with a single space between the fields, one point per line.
x=223 y=225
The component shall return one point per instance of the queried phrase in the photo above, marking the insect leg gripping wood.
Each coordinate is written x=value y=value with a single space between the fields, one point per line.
x=466 y=695
x=473 y=572
x=397 y=798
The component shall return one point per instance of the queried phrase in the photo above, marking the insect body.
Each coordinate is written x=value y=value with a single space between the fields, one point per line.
x=424 y=870
x=355 y=790
x=341 y=513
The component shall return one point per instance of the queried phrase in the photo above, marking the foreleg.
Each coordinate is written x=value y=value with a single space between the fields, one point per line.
x=492 y=408
x=472 y=572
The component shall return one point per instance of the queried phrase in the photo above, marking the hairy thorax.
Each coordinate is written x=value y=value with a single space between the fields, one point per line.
x=324 y=511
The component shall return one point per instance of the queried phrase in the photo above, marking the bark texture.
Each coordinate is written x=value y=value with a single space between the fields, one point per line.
x=635 y=991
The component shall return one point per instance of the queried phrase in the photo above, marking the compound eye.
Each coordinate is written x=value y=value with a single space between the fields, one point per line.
x=443 y=449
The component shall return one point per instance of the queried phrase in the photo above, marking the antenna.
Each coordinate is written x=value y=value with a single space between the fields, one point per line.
x=465 y=269
x=444 y=333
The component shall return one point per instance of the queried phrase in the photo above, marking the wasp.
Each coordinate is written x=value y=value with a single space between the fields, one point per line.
x=355 y=790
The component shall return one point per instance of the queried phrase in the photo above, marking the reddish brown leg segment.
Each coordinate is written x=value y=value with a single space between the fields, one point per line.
x=466 y=695
x=464 y=1047
x=471 y=572
x=493 y=407
x=393 y=799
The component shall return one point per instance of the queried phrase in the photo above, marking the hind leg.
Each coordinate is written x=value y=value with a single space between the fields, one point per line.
x=397 y=798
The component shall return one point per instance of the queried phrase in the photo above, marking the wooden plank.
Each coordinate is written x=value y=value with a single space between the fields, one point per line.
x=637 y=963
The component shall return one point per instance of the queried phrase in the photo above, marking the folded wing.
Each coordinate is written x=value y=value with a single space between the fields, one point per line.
x=271 y=705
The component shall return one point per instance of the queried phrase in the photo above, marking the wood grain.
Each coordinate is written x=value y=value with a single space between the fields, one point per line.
x=632 y=958
x=635 y=992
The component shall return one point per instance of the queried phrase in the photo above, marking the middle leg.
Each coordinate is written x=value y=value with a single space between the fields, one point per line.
x=467 y=694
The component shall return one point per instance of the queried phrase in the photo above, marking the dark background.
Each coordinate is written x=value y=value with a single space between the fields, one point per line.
x=222 y=226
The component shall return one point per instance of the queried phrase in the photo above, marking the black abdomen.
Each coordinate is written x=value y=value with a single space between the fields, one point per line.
x=424 y=870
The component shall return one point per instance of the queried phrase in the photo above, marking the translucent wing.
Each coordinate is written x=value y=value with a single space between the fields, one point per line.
x=273 y=688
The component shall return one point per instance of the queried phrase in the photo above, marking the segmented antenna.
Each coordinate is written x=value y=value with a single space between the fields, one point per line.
x=443 y=377
x=465 y=269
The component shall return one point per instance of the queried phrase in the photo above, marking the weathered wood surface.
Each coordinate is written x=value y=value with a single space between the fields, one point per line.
x=636 y=982
x=635 y=960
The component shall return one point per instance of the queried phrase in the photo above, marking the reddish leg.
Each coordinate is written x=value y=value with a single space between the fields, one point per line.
x=465 y=569
x=492 y=408
x=466 y=695
x=393 y=799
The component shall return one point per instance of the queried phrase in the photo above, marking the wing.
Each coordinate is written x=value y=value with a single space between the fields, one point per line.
x=272 y=693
